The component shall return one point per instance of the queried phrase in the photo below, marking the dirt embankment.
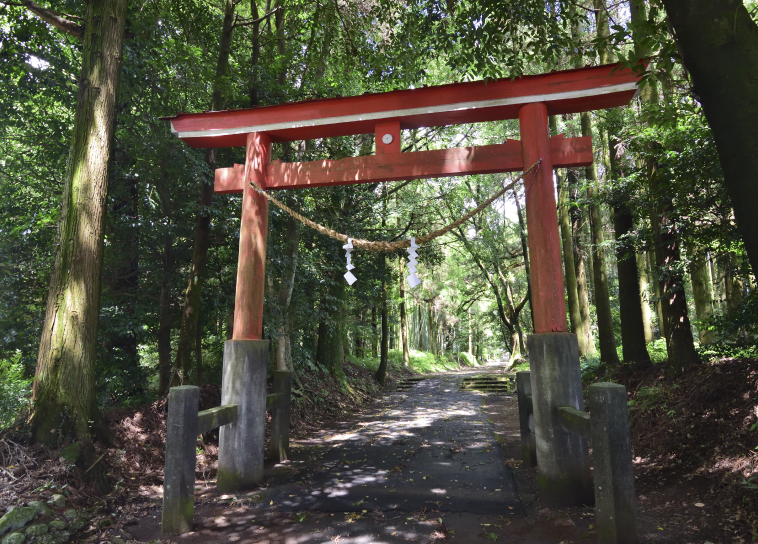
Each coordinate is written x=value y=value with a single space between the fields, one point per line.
x=694 y=442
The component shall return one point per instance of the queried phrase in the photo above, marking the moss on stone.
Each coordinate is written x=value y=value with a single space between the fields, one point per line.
x=15 y=538
x=41 y=508
x=17 y=518
x=37 y=530
x=71 y=452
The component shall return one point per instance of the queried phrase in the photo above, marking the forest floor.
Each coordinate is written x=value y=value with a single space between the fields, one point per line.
x=693 y=443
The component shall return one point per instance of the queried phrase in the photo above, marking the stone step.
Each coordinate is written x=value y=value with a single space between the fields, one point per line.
x=486 y=383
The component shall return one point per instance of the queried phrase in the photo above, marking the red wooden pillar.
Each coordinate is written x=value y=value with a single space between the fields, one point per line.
x=549 y=304
x=251 y=266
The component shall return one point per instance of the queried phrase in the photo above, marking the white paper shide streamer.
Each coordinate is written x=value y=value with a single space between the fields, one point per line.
x=349 y=277
x=413 y=280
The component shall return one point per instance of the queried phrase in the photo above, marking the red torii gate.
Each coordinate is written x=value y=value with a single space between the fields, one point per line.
x=531 y=99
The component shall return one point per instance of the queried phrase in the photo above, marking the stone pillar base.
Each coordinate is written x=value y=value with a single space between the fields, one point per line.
x=240 y=444
x=563 y=459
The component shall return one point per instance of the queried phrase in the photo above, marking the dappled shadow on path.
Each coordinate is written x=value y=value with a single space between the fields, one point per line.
x=434 y=448
x=401 y=472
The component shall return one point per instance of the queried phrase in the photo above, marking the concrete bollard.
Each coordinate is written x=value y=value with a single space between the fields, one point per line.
x=243 y=382
x=280 y=417
x=615 y=502
x=526 y=418
x=179 y=472
x=562 y=456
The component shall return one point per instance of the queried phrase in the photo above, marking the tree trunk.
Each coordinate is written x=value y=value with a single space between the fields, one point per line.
x=569 y=267
x=65 y=375
x=633 y=341
x=470 y=333
x=359 y=351
x=515 y=329
x=575 y=317
x=679 y=342
x=375 y=337
x=256 y=53
x=403 y=319
x=637 y=11
x=701 y=292
x=331 y=331
x=655 y=278
x=580 y=271
x=284 y=296
x=199 y=352
x=525 y=252
x=606 y=337
x=733 y=282
x=432 y=330
x=191 y=307
x=675 y=323
x=420 y=321
x=647 y=316
x=280 y=49
x=381 y=372
x=164 y=318
x=718 y=41
x=165 y=298
x=633 y=345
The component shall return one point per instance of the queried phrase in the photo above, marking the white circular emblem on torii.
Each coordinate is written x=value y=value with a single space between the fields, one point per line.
x=387 y=139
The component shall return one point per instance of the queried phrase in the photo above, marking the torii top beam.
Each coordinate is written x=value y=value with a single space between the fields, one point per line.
x=569 y=91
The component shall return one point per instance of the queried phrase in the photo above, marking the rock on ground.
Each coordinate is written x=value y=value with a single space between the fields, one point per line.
x=14 y=538
x=59 y=501
x=41 y=508
x=16 y=519
x=36 y=530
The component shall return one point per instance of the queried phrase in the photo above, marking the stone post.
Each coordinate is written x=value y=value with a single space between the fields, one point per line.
x=562 y=456
x=615 y=502
x=240 y=445
x=526 y=418
x=179 y=472
x=280 y=417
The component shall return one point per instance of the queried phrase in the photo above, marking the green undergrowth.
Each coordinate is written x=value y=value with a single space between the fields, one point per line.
x=15 y=390
x=421 y=362
x=521 y=366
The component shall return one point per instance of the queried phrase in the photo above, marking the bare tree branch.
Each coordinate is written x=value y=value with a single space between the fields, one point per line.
x=60 y=21
x=241 y=22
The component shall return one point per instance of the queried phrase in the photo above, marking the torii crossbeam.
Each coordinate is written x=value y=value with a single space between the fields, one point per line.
x=531 y=99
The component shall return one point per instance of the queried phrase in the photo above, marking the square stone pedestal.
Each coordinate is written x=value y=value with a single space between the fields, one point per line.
x=563 y=462
x=240 y=444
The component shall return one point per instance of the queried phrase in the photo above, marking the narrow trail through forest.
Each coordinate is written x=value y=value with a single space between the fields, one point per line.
x=420 y=465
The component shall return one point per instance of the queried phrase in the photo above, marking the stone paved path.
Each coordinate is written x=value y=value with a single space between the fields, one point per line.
x=435 y=449
x=420 y=466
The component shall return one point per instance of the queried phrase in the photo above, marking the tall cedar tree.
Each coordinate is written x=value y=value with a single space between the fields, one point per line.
x=64 y=385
